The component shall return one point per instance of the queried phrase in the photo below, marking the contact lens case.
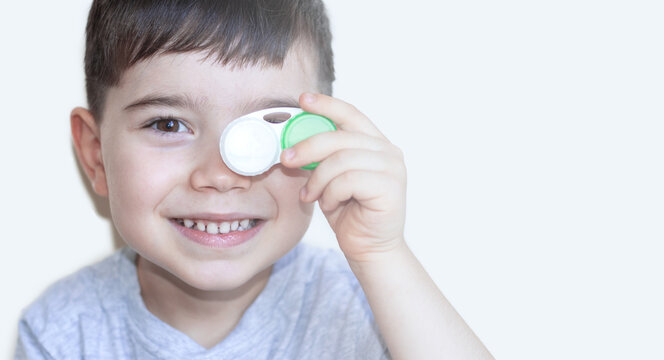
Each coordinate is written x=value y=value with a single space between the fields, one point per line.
x=251 y=144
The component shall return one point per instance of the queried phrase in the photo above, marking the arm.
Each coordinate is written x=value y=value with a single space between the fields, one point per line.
x=360 y=185
x=413 y=316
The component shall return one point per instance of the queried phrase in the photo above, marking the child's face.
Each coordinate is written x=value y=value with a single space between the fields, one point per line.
x=162 y=174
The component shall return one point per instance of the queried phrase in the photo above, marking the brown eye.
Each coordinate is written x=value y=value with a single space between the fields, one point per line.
x=169 y=125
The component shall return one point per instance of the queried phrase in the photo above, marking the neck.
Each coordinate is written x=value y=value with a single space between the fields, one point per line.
x=207 y=317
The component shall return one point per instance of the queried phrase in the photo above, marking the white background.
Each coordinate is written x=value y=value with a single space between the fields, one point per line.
x=533 y=137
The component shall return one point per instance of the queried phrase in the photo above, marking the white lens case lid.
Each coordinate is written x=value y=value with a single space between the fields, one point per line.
x=251 y=144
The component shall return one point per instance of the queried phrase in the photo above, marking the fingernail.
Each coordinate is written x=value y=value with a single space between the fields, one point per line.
x=309 y=98
x=289 y=154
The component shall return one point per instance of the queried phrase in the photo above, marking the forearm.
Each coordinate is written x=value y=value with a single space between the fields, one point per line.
x=414 y=318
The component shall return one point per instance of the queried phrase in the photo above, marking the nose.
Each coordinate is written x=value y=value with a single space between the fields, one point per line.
x=212 y=174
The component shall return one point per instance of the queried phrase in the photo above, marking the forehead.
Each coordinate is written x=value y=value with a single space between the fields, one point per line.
x=207 y=82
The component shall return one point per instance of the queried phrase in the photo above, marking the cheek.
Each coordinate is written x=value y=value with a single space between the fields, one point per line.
x=138 y=180
x=285 y=188
x=293 y=216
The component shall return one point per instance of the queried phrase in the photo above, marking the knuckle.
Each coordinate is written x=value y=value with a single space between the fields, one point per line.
x=348 y=177
x=319 y=175
x=352 y=108
x=396 y=151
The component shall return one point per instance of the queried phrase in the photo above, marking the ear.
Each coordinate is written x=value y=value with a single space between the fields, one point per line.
x=85 y=133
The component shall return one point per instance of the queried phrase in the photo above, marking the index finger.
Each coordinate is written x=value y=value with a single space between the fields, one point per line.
x=344 y=115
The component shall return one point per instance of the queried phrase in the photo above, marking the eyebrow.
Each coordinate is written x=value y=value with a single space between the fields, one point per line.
x=183 y=101
x=174 y=101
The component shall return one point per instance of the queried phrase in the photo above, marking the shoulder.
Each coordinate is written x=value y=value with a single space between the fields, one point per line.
x=330 y=311
x=321 y=271
x=330 y=287
x=320 y=261
x=57 y=315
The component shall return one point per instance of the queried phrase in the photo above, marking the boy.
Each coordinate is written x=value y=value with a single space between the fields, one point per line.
x=212 y=267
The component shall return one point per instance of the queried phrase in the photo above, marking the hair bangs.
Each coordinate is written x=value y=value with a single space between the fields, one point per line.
x=121 y=33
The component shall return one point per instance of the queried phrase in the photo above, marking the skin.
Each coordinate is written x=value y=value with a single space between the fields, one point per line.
x=151 y=177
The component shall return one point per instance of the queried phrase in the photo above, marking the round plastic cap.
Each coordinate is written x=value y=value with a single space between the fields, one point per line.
x=250 y=147
x=304 y=126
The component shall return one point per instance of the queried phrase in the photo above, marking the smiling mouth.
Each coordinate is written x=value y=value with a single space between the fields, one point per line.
x=213 y=228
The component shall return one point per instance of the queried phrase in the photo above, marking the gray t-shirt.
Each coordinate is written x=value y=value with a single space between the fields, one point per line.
x=311 y=308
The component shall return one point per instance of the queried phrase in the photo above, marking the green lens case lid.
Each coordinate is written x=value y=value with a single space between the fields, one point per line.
x=304 y=126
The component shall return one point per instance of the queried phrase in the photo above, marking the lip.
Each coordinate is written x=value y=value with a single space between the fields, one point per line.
x=218 y=241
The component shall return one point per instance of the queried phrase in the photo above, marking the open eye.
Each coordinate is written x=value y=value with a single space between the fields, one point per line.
x=169 y=125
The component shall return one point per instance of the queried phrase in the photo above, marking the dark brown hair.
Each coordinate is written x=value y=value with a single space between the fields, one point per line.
x=121 y=33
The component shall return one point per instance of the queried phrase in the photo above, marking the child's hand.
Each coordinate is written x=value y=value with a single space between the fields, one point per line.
x=361 y=187
x=360 y=183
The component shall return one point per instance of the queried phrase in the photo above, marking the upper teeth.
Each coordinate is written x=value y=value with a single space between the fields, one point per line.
x=218 y=228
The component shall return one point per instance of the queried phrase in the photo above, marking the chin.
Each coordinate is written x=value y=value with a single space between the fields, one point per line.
x=214 y=280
